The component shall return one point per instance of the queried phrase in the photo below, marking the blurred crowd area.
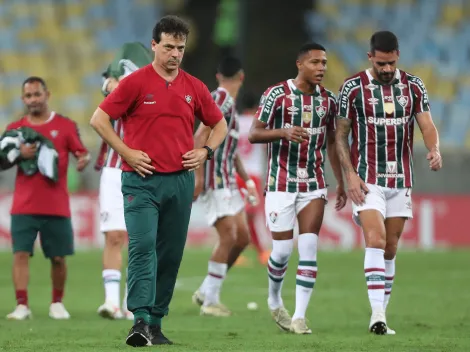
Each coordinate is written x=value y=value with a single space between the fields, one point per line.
x=70 y=43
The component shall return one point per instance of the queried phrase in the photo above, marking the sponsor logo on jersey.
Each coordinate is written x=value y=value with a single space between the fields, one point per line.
x=388 y=121
x=345 y=93
x=400 y=86
x=149 y=99
x=391 y=171
x=292 y=110
x=402 y=100
x=388 y=98
x=269 y=101
x=373 y=101
x=302 y=173
x=307 y=108
x=371 y=86
x=310 y=130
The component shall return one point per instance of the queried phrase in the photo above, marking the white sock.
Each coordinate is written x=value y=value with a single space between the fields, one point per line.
x=124 y=300
x=389 y=276
x=277 y=266
x=215 y=277
x=374 y=269
x=306 y=273
x=203 y=286
x=112 y=286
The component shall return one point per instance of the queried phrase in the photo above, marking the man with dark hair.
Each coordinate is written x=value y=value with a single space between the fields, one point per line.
x=296 y=119
x=381 y=104
x=128 y=59
x=158 y=104
x=41 y=204
x=224 y=205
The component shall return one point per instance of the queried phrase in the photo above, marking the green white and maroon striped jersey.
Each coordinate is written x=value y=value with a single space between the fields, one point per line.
x=382 y=125
x=220 y=170
x=294 y=167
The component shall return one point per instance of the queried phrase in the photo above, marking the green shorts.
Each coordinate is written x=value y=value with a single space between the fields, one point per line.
x=56 y=234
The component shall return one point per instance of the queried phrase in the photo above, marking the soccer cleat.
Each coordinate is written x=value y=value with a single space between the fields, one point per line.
x=139 y=334
x=216 y=310
x=391 y=331
x=157 y=337
x=299 y=326
x=58 y=311
x=21 y=312
x=282 y=318
x=109 y=311
x=378 y=324
x=198 y=298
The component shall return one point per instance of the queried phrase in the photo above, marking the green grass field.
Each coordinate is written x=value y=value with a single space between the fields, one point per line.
x=429 y=309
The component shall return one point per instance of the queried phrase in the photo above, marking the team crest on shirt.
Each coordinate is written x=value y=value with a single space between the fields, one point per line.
x=54 y=133
x=321 y=111
x=307 y=116
x=402 y=100
x=188 y=98
x=273 y=216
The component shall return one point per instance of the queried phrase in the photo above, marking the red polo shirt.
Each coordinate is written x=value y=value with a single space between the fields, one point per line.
x=158 y=116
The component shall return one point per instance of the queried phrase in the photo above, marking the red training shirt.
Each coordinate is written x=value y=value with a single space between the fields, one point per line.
x=36 y=194
x=158 y=116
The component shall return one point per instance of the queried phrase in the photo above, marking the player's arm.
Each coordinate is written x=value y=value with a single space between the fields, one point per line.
x=426 y=124
x=200 y=139
x=77 y=148
x=260 y=131
x=115 y=105
x=251 y=190
x=207 y=111
x=341 y=197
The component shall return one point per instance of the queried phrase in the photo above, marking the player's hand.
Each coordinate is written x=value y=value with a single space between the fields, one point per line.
x=357 y=189
x=28 y=151
x=295 y=134
x=193 y=159
x=139 y=161
x=341 y=197
x=435 y=159
x=82 y=160
x=252 y=193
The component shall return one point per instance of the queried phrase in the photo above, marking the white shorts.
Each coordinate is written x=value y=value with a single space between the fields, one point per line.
x=390 y=202
x=221 y=202
x=281 y=208
x=111 y=202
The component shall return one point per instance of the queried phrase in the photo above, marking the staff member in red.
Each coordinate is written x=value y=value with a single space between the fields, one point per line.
x=158 y=104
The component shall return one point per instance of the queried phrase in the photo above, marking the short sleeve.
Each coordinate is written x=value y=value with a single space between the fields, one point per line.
x=206 y=109
x=268 y=103
x=122 y=99
x=345 y=108
x=421 y=100
x=75 y=143
x=332 y=107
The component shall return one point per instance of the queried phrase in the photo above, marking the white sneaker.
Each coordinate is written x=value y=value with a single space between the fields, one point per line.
x=391 y=331
x=215 y=310
x=378 y=323
x=299 y=327
x=127 y=314
x=282 y=318
x=109 y=311
x=58 y=311
x=21 y=312
x=198 y=298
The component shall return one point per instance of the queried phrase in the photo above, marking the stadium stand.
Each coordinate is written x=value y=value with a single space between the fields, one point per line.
x=69 y=44
x=435 y=45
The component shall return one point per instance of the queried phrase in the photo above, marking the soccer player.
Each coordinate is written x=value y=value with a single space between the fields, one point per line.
x=40 y=204
x=130 y=58
x=296 y=118
x=158 y=104
x=381 y=104
x=254 y=159
x=224 y=205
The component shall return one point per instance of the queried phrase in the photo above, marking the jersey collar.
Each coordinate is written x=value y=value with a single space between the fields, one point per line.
x=373 y=80
x=295 y=90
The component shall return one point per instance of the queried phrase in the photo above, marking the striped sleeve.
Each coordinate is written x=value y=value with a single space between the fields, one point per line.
x=332 y=105
x=224 y=101
x=421 y=100
x=268 y=104
x=345 y=106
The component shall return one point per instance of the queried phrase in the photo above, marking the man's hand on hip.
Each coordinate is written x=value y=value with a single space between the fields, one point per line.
x=139 y=161
x=194 y=158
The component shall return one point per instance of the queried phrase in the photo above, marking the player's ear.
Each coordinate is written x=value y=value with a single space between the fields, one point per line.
x=154 y=45
x=369 y=55
x=48 y=94
x=298 y=64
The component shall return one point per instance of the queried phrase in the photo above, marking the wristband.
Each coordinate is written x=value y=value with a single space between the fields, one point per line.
x=250 y=183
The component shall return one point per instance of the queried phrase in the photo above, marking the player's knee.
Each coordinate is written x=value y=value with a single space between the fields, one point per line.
x=227 y=231
x=115 y=239
x=58 y=261
x=390 y=250
x=145 y=244
x=243 y=238
x=282 y=250
x=375 y=240
x=21 y=258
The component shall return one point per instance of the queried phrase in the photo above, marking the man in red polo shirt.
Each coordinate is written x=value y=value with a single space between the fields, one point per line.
x=158 y=104
x=41 y=205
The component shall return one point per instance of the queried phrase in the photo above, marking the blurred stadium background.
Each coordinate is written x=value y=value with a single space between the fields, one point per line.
x=70 y=42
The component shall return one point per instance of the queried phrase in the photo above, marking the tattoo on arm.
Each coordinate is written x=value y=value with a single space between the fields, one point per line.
x=343 y=127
